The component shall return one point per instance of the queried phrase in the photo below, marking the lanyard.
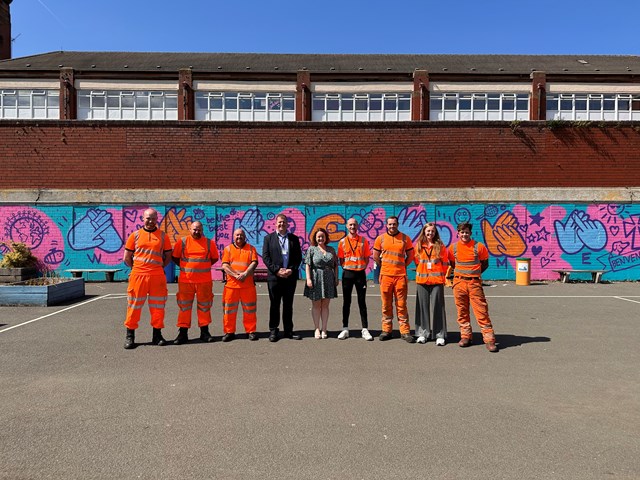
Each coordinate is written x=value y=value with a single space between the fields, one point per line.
x=283 y=241
x=353 y=250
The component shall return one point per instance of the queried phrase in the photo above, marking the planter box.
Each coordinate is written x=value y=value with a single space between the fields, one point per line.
x=41 y=295
x=10 y=275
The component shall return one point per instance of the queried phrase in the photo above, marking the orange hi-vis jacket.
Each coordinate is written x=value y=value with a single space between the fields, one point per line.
x=354 y=252
x=196 y=258
x=431 y=270
x=239 y=259
x=147 y=248
x=393 y=253
x=467 y=258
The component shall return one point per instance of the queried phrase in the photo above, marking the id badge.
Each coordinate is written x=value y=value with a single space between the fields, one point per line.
x=353 y=259
x=428 y=265
x=284 y=252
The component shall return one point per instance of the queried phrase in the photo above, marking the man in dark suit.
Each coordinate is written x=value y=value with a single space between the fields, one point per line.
x=282 y=256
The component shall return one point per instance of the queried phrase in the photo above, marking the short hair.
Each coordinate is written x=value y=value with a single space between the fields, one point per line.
x=313 y=237
x=394 y=218
x=463 y=225
x=282 y=215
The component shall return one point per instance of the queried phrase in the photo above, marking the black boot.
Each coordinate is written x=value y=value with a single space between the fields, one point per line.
x=205 y=336
x=130 y=339
x=157 y=338
x=183 y=336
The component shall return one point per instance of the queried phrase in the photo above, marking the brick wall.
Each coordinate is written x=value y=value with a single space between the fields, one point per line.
x=68 y=154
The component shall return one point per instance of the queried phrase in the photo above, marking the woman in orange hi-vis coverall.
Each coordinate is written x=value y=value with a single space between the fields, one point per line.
x=393 y=251
x=239 y=260
x=194 y=254
x=469 y=259
x=147 y=251
x=432 y=262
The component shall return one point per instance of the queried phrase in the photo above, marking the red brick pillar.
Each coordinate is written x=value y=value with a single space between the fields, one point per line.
x=420 y=96
x=538 y=103
x=186 y=109
x=303 y=96
x=68 y=97
x=5 y=29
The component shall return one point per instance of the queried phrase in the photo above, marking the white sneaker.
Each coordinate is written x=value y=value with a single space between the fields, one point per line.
x=366 y=335
x=440 y=342
x=421 y=340
x=344 y=334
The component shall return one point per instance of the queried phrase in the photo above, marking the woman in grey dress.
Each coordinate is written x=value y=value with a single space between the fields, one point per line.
x=322 y=279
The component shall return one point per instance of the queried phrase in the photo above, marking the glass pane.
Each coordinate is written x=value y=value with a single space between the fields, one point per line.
x=39 y=100
x=623 y=104
x=508 y=104
x=609 y=102
x=465 y=102
x=479 y=102
x=375 y=104
x=493 y=103
x=595 y=104
x=404 y=104
x=230 y=102
x=113 y=102
x=275 y=104
x=435 y=104
x=171 y=101
x=259 y=103
x=289 y=104
x=127 y=101
x=142 y=102
x=215 y=103
x=98 y=102
x=157 y=102
x=23 y=100
x=566 y=105
x=581 y=102
x=54 y=100
x=522 y=104
x=347 y=104
x=245 y=103
x=83 y=102
x=333 y=104
x=318 y=104
x=390 y=104
x=361 y=105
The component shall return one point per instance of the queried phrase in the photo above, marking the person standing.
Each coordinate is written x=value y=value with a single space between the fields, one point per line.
x=282 y=255
x=354 y=253
x=147 y=251
x=468 y=260
x=393 y=252
x=432 y=262
x=195 y=254
x=239 y=260
x=321 y=266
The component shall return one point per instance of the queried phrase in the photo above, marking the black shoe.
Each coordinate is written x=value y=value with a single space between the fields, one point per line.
x=385 y=336
x=157 y=338
x=407 y=337
x=228 y=337
x=183 y=336
x=205 y=336
x=130 y=339
x=292 y=336
x=273 y=336
x=253 y=336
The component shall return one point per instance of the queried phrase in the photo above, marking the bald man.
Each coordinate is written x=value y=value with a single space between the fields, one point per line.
x=195 y=254
x=239 y=260
x=147 y=251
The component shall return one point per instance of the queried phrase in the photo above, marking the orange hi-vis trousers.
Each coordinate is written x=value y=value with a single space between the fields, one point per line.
x=467 y=292
x=394 y=288
x=203 y=291
x=141 y=288
x=231 y=299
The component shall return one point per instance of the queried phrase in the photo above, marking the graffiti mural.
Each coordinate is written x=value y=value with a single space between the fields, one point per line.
x=554 y=236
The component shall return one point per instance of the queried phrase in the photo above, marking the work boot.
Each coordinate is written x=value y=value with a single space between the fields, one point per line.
x=465 y=342
x=205 y=336
x=130 y=339
x=183 y=336
x=407 y=337
x=228 y=337
x=492 y=347
x=385 y=336
x=157 y=338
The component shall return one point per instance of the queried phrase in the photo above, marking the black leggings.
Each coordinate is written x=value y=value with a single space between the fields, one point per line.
x=357 y=278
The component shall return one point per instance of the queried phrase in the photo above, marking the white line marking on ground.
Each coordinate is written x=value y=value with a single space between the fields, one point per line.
x=627 y=299
x=54 y=313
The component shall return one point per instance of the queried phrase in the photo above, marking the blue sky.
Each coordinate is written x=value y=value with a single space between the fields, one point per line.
x=328 y=26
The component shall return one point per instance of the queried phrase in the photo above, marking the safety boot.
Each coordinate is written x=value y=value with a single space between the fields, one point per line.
x=183 y=336
x=130 y=339
x=157 y=338
x=205 y=336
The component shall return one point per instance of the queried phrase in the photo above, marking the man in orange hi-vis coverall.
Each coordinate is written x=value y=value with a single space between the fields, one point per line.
x=147 y=251
x=239 y=260
x=469 y=259
x=194 y=254
x=393 y=251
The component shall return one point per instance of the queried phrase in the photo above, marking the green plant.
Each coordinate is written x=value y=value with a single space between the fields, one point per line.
x=556 y=123
x=18 y=256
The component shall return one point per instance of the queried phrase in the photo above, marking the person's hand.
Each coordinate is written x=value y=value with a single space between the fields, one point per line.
x=309 y=283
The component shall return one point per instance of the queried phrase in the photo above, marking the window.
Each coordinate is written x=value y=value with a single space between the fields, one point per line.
x=479 y=106
x=361 y=107
x=30 y=104
x=127 y=105
x=593 y=106
x=245 y=106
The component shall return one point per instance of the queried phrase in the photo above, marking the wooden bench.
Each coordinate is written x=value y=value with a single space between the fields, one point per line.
x=109 y=273
x=258 y=274
x=596 y=275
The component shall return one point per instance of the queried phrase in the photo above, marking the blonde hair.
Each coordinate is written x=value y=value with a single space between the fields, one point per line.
x=422 y=238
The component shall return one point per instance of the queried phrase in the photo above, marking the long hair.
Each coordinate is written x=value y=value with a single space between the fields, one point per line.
x=313 y=241
x=422 y=238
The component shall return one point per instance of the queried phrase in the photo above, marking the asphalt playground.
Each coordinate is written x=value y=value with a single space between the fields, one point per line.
x=561 y=400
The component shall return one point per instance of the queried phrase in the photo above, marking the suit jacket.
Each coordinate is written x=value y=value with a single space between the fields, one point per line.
x=272 y=255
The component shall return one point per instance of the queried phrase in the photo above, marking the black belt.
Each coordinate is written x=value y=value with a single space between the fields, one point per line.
x=466 y=278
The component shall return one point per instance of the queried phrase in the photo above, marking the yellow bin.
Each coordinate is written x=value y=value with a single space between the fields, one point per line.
x=523 y=271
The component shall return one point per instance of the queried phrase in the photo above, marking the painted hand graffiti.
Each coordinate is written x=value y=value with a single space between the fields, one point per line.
x=252 y=223
x=580 y=231
x=502 y=237
x=95 y=230
x=411 y=220
x=176 y=224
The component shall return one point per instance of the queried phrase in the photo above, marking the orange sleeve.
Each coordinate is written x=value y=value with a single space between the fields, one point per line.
x=131 y=242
